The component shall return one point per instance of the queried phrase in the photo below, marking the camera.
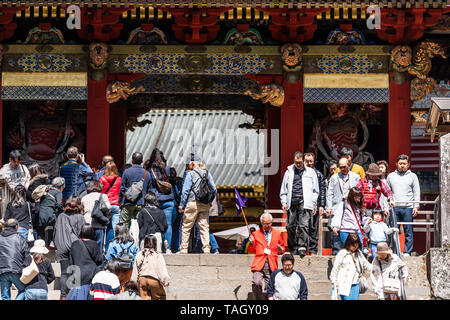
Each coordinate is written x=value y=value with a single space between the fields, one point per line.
x=80 y=157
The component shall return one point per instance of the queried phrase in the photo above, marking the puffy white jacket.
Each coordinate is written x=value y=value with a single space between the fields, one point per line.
x=344 y=269
x=390 y=268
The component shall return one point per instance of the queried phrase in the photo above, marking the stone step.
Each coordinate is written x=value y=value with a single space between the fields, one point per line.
x=228 y=276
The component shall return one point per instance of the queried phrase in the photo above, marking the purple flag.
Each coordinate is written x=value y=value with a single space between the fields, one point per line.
x=240 y=201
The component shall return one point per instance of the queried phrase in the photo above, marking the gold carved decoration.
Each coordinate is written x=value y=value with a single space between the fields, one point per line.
x=268 y=93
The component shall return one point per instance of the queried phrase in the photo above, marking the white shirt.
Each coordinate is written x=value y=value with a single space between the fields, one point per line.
x=269 y=236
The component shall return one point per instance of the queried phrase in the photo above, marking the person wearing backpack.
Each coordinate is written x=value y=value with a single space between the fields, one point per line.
x=133 y=188
x=111 y=187
x=50 y=206
x=197 y=195
x=124 y=249
x=164 y=190
x=151 y=220
x=38 y=178
x=91 y=203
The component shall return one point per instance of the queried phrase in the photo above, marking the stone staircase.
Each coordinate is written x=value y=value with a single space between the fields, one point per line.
x=228 y=277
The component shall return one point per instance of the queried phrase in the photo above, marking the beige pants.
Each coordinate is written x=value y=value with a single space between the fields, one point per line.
x=196 y=211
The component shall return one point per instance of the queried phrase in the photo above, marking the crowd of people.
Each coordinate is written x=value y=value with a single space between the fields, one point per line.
x=109 y=228
x=353 y=200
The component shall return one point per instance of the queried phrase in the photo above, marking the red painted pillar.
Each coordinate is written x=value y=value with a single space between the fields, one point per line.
x=292 y=135
x=117 y=135
x=272 y=182
x=1 y=126
x=98 y=121
x=399 y=121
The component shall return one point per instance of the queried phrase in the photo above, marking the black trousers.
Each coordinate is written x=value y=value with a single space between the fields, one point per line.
x=299 y=226
x=314 y=234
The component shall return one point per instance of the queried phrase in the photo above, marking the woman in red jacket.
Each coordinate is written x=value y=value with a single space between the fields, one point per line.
x=111 y=186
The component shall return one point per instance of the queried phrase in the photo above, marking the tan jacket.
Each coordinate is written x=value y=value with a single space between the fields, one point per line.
x=150 y=264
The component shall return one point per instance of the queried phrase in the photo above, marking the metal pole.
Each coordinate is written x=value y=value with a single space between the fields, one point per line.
x=398 y=251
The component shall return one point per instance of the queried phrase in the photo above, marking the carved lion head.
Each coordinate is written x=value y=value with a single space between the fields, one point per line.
x=98 y=54
x=401 y=55
x=291 y=54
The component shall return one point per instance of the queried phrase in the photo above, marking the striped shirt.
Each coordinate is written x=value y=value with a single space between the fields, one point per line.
x=104 y=285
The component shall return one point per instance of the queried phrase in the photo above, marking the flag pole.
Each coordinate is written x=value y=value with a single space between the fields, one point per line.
x=245 y=219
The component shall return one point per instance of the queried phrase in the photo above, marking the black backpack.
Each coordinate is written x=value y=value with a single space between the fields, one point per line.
x=205 y=191
x=125 y=258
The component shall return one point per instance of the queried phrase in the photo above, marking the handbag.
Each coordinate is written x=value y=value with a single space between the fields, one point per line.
x=30 y=272
x=363 y=286
x=30 y=236
x=390 y=284
x=163 y=186
x=98 y=212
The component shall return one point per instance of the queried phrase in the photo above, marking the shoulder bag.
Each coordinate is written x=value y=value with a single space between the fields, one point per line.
x=390 y=284
x=100 y=211
x=30 y=272
x=362 y=280
x=133 y=191
x=163 y=186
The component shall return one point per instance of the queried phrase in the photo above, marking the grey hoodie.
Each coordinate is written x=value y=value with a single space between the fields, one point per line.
x=405 y=187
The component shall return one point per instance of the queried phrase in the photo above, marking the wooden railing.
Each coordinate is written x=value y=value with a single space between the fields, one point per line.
x=428 y=222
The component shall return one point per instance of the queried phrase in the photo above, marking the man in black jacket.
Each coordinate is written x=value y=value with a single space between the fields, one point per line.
x=309 y=160
x=131 y=175
x=14 y=256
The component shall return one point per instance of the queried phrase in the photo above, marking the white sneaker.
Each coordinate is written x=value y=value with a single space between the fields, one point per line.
x=182 y=252
x=405 y=254
x=168 y=251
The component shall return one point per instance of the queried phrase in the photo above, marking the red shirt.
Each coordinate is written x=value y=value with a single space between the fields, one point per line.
x=113 y=193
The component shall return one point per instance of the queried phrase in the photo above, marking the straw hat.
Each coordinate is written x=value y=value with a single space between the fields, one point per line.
x=383 y=247
x=39 y=247
x=374 y=170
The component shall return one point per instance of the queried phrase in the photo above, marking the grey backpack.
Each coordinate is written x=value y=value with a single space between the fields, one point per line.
x=133 y=192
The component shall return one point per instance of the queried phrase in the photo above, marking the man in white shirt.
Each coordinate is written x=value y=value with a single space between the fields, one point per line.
x=14 y=172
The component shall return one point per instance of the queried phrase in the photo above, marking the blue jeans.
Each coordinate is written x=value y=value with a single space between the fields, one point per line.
x=171 y=213
x=354 y=293
x=6 y=280
x=344 y=235
x=115 y=218
x=373 y=248
x=99 y=236
x=36 y=294
x=405 y=215
x=336 y=244
x=176 y=232
x=23 y=232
